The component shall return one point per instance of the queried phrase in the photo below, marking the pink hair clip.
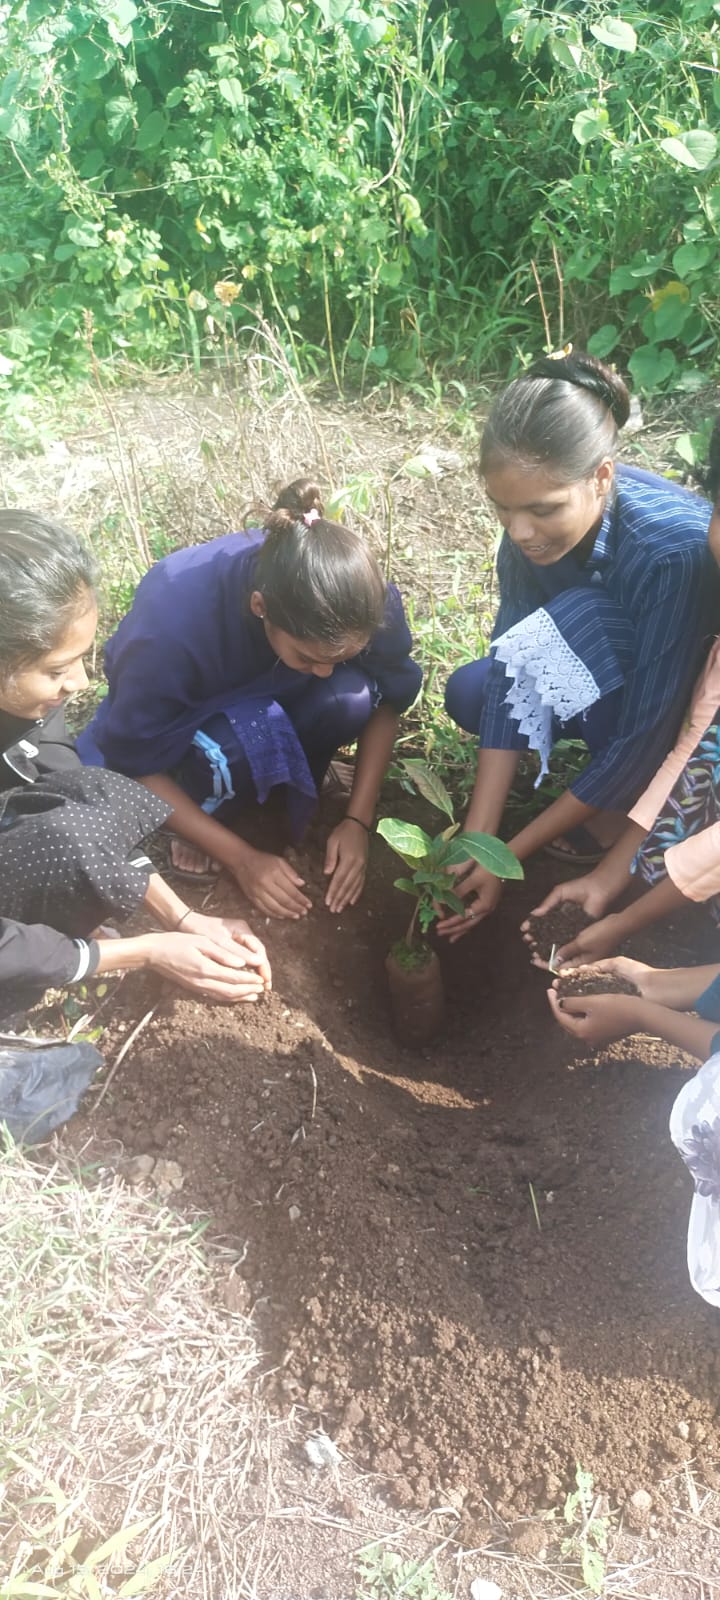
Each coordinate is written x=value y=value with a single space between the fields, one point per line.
x=309 y=517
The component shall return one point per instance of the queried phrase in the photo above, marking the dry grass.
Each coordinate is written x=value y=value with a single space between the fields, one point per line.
x=126 y=1393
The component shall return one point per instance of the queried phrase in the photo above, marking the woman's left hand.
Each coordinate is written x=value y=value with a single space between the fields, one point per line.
x=231 y=931
x=598 y=1018
x=481 y=892
x=346 y=859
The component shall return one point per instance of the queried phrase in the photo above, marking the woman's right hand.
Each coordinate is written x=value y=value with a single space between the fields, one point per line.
x=271 y=884
x=587 y=892
x=599 y=940
x=218 y=971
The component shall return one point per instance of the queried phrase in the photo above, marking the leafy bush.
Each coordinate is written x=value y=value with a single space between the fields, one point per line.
x=381 y=178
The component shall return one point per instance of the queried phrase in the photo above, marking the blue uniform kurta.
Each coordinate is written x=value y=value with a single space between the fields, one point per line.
x=191 y=648
x=650 y=558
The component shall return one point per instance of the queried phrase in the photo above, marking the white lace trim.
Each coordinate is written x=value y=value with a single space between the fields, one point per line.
x=548 y=680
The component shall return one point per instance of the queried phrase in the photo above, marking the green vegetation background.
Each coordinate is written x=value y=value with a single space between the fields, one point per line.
x=387 y=181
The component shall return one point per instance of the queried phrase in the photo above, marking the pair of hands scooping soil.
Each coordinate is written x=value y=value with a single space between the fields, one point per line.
x=559 y=927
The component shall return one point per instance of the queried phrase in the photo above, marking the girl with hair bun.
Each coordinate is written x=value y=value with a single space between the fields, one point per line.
x=608 y=598
x=246 y=663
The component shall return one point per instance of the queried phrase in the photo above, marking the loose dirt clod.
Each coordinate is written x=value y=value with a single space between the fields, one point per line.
x=558 y=927
x=591 y=981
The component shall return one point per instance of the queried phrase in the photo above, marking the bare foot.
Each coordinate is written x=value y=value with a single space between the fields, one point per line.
x=186 y=857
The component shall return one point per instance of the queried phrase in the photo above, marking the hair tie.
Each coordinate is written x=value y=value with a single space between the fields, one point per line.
x=309 y=517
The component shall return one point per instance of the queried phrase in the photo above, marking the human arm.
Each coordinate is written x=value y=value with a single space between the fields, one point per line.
x=175 y=915
x=32 y=953
x=603 y=1018
x=269 y=881
x=347 y=847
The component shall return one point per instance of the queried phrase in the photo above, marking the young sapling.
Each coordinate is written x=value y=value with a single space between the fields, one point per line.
x=431 y=881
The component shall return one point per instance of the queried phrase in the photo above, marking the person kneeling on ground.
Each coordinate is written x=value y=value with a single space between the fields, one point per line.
x=71 y=839
x=660 y=1008
x=608 y=595
x=672 y=840
x=246 y=663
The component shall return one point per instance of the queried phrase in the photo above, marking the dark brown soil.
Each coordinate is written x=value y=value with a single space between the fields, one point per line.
x=589 y=981
x=558 y=927
x=408 y=1294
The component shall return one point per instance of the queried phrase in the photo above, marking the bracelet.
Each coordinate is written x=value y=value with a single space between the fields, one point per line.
x=348 y=818
x=179 y=924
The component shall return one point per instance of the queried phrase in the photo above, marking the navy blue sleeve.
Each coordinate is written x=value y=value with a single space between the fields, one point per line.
x=388 y=660
x=658 y=688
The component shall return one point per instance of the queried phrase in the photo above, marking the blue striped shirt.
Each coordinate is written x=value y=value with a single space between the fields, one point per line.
x=651 y=557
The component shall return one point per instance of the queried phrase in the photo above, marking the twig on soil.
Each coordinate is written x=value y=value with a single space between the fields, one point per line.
x=129 y=1042
x=535 y=1208
x=315 y=1091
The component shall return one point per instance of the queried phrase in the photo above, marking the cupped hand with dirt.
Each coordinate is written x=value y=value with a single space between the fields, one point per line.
x=481 y=892
x=233 y=933
x=591 y=945
x=600 y=1018
x=587 y=893
x=271 y=884
x=346 y=859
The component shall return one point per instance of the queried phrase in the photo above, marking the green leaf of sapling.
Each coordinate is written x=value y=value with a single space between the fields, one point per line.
x=405 y=837
x=489 y=852
x=407 y=886
x=428 y=785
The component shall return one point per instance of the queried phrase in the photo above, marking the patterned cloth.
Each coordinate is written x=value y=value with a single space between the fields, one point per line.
x=695 y=1132
x=650 y=557
x=560 y=661
x=692 y=806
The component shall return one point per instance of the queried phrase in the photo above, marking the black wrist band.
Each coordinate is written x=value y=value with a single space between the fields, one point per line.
x=348 y=818
x=179 y=924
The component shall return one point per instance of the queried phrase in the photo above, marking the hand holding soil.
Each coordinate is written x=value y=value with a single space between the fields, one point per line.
x=586 y=894
x=576 y=940
x=346 y=858
x=232 y=932
x=216 y=971
x=599 y=1018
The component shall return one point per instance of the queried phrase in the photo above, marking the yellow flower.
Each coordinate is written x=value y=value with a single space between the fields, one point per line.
x=226 y=292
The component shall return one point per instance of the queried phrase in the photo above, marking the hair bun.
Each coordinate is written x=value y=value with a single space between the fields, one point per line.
x=587 y=373
x=299 y=497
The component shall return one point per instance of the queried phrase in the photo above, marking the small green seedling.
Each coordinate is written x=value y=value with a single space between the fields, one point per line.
x=431 y=881
x=588 y=1541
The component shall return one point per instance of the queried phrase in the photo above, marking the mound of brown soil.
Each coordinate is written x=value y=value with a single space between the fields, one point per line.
x=590 y=981
x=558 y=927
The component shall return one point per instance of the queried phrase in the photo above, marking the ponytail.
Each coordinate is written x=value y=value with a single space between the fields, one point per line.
x=318 y=580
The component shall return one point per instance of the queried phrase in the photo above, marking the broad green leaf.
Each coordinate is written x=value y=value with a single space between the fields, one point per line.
x=695 y=149
x=267 y=15
x=118 y=116
x=615 y=33
x=669 y=319
x=566 y=54
x=601 y=343
x=491 y=854
x=152 y=131
x=691 y=257
x=428 y=785
x=13 y=266
x=232 y=91
x=407 y=886
x=15 y=124
x=405 y=837
x=651 y=365
x=590 y=125
x=448 y=897
x=449 y=833
x=333 y=11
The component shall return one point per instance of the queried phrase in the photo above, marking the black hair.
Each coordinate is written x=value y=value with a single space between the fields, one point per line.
x=563 y=414
x=318 y=579
x=709 y=477
x=47 y=577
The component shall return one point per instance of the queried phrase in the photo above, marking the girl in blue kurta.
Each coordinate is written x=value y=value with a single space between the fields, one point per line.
x=608 y=598
x=247 y=662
